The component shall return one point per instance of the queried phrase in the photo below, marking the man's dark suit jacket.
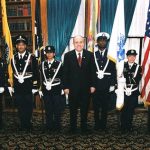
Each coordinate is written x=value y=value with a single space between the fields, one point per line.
x=77 y=78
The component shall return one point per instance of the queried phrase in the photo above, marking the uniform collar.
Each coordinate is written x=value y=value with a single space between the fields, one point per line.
x=102 y=51
x=21 y=54
x=50 y=61
x=130 y=64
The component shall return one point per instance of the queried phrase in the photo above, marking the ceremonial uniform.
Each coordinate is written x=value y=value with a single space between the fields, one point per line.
x=106 y=79
x=132 y=74
x=2 y=84
x=25 y=83
x=51 y=90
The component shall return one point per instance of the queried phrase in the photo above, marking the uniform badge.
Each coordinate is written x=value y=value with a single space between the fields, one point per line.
x=132 y=51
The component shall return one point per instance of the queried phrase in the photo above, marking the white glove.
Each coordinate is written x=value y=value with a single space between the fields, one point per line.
x=116 y=91
x=34 y=91
x=121 y=80
x=112 y=88
x=40 y=94
x=128 y=91
x=62 y=92
x=67 y=100
x=11 y=90
x=1 y=89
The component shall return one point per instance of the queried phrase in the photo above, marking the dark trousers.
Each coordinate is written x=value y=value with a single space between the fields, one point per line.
x=1 y=109
x=101 y=101
x=24 y=104
x=53 y=109
x=127 y=111
x=77 y=100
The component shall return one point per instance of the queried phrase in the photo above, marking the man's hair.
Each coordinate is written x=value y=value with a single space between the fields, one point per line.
x=78 y=36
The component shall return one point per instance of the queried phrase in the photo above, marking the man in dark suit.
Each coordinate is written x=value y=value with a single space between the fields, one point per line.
x=2 y=84
x=79 y=81
x=25 y=81
x=105 y=81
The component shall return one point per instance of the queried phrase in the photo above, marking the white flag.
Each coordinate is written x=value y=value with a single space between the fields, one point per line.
x=116 y=50
x=79 y=27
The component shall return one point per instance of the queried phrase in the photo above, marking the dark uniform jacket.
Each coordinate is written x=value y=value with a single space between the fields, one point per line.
x=129 y=75
x=108 y=80
x=49 y=73
x=78 y=78
x=32 y=69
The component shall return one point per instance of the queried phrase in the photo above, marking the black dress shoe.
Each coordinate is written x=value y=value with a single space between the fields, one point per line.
x=103 y=127
x=72 y=131
x=57 y=129
x=123 y=130
x=130 y=129
x=85 y=131
x=1 y=126
x=96 y=127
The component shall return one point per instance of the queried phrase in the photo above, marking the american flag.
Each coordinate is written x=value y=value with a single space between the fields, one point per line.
x=145 y=90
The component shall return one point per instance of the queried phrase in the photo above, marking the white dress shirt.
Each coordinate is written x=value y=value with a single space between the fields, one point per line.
x=130 y=65
x=77 y=53
x=50 y=62
x=103 y=52
x=21 y=54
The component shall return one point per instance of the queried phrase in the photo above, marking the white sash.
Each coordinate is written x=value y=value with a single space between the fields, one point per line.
x=21 y=77
x=49 y=84
x=101 y=73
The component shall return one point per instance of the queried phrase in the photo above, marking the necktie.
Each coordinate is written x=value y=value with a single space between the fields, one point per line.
x=130 y=66
x=79 y=59
x=21 y=57
x=101 y=53
x=49 y=65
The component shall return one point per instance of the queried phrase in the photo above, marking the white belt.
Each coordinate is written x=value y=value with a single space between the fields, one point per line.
x=25 y=77
x=54 y=84
x=129 y=91
x=49 y=85
x=100 y=74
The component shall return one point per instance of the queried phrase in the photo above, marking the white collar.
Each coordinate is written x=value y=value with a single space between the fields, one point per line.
x=77 y=53
x=50 y=61
x=103 y=51
x=21 y=54
x=130 y=64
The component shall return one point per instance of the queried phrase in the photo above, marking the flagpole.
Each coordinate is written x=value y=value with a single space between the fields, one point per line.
x=42 y=104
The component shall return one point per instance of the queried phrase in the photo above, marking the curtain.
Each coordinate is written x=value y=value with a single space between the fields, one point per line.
x=129 y=11
x=107 y=14
x=62 y=15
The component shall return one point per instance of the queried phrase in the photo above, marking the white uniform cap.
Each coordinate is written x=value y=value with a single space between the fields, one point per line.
x=103 y=34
